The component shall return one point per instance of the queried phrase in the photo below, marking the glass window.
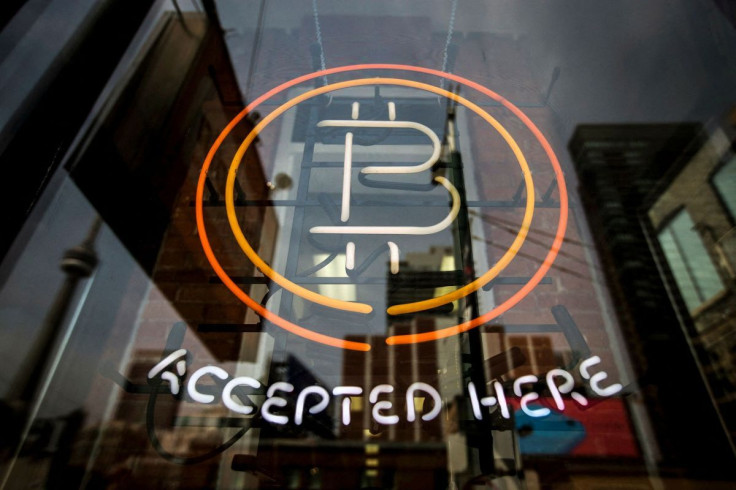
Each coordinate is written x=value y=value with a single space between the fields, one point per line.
x=692 y=267
x=725 y=181
x=389 y=245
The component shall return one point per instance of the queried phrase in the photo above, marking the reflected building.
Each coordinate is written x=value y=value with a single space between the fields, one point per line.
x=621 y=169
x=152 y=139
x=691 y=216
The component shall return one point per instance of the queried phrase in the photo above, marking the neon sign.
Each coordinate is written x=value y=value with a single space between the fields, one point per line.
x=315 y=399
x=363 y=308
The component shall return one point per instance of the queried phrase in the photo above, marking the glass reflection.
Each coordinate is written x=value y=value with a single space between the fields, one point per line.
x=146 y=346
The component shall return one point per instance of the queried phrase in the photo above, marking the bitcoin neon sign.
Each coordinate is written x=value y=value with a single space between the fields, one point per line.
x=346 y=228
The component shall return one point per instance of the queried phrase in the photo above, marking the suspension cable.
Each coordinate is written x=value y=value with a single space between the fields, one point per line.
x=450 y=31
x=318 y=30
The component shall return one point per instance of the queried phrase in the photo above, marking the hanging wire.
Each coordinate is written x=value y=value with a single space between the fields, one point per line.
x=256 y=48
x=450 y=30
x=318 y=29
x=448 y=40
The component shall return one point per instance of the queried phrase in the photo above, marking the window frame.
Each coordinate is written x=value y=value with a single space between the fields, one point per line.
x=728 y=157
x=704 y=302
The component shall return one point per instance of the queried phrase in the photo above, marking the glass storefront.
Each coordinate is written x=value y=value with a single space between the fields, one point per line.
x=338 y=244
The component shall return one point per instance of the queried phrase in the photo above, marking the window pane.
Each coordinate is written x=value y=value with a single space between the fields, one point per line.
x=696 y=257
x=330 y=244
x=725 y=182
x=679 y=270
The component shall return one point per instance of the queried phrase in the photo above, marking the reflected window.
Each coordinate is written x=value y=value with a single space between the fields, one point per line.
x=692 y=267
x=725 y=182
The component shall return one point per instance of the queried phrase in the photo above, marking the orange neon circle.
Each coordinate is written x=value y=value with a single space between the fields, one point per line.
x=398 y=339
x=469 y=288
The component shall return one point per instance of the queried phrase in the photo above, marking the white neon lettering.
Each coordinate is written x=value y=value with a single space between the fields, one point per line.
x=346 y=175
x=579 y=398
x=595 y=385
x=591 y=361
x=227 y=393
x=373 y=396
x=393 y=254
x=276 y=401
x=410 y=410
x=501 y=400
x=474 y=401
x=384 y=419
x=564 y=388
x=384 y=405
x=350 y=256
x=597 y=378
x=192 y=383
x=488 y=401
x=408 y=169
x=167 y=361
x=175 y=364
x=348 y=391
x=301 y=400
x=173 y=381
x=391 y=111
x=529 y=397
x=401 y=230
x=355 y=113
